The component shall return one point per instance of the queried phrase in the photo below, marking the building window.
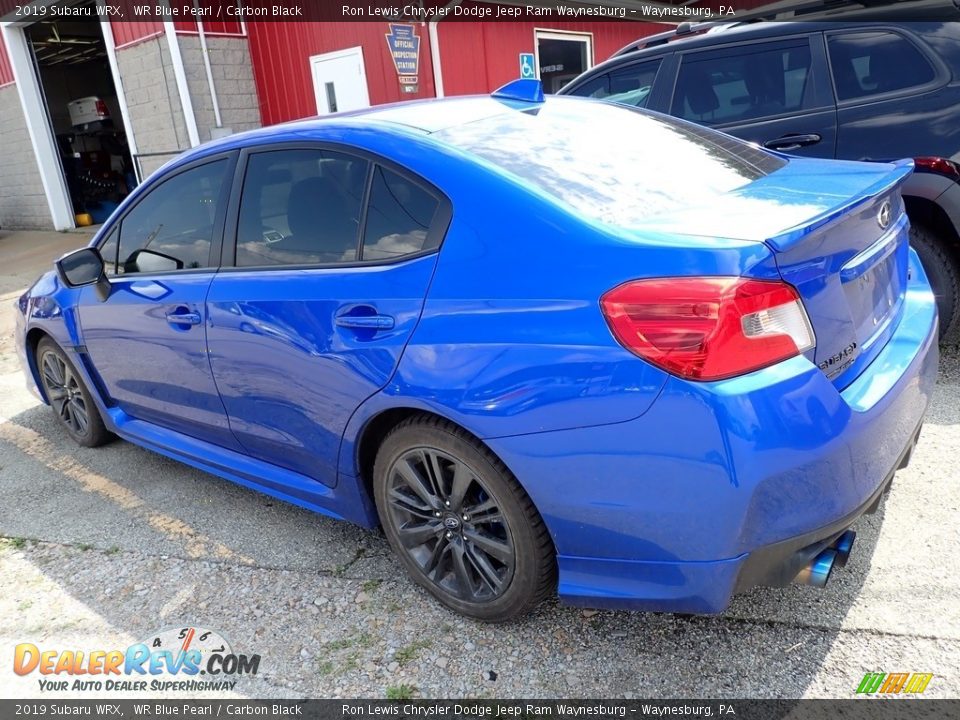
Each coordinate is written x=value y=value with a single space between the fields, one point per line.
x=562 y=56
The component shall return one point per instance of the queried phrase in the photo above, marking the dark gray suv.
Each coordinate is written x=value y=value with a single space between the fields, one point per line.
x=851 y=90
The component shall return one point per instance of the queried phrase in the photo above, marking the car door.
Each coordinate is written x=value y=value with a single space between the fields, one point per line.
x=775 y=93
x=894 y=98
x=147 y=340
x=333 y=256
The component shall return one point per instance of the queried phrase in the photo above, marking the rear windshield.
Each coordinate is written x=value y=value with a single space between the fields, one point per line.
x=611 y=163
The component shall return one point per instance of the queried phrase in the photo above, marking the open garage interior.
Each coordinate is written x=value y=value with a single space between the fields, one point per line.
x=78 y=94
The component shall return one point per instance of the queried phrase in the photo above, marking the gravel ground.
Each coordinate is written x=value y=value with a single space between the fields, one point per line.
x=101 y=548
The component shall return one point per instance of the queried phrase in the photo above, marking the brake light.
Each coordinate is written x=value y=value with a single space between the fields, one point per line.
x=938 y=165
x=708 y=328
x=101 y=108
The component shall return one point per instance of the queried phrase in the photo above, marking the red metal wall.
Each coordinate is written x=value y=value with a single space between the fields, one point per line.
x=480 y=57
x=281 y=52
x=6 y=72
x=130 y=32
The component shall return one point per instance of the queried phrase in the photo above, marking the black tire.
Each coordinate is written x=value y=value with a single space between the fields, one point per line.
x=69 y=398
x=944 y=275
x=495 y=565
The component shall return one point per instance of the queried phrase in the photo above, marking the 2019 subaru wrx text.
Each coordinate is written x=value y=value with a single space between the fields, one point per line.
x=645 y=374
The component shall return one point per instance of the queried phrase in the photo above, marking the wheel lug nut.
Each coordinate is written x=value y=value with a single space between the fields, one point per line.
x=447 y=503
x=449 y=535
x=437 y=514
x=466 y=518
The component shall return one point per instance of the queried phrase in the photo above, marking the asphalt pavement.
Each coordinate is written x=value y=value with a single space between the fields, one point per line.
x=102 y=548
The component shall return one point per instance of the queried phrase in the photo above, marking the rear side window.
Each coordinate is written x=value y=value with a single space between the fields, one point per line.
x=760 y=80
x=171 y=228
x=872 y=63
x=300 y=207
x=630 y=86
x=399 y=216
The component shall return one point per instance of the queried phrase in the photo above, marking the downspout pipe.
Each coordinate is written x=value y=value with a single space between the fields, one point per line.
x=206 y=64
x=435 y=50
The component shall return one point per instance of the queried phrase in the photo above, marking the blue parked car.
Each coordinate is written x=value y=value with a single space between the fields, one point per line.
x=644 y=375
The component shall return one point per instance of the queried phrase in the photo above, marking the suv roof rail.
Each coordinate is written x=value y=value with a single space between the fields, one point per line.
x=684 y=28
x=787 y=10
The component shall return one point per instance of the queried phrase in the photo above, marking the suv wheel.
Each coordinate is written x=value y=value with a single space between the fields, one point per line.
x=944 y=275
x=68 y=396
x=460 y=523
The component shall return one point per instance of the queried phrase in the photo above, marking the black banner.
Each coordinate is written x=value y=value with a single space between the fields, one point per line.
x=860 y=709
x=671 y=11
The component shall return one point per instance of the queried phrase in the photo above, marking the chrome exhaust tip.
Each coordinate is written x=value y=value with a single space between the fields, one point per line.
x=843 y=546
x=817 y=573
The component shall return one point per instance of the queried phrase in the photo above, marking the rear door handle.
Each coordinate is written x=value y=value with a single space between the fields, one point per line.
x=367 y=322
x=792 y=142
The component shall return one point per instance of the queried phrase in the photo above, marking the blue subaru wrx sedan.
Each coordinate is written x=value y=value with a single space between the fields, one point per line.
x=549 y=346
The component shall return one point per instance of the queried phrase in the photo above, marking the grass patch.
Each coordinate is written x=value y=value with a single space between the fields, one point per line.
x=410 y=652
x=112 y=550
x=326 y=668
x=400 y=692
x=339 y=644
x=371 y=585
x=84 y=546
x=17 y=543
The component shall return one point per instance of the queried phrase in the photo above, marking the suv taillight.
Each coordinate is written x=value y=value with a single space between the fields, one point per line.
x=101 y=108
x=708 y=328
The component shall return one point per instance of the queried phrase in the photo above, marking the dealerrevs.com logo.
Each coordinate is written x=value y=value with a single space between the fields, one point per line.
x=186 y=659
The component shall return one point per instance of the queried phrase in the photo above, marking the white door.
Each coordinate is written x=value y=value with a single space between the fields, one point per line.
x=339 y=81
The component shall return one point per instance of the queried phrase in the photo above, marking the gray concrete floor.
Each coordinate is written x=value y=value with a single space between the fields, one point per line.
x=104 y=547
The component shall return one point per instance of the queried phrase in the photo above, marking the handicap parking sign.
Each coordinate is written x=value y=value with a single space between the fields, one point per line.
x=527 y=69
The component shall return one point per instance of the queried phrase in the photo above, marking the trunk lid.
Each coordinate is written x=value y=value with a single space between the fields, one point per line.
x=839 y=236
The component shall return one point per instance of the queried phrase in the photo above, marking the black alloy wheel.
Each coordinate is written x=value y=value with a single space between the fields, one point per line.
x=68 y=396
x=450 y=525
x=460 y=523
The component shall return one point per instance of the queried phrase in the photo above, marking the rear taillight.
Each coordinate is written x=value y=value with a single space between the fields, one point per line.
x=938 y=165
x=708 y=328
x=101 y=108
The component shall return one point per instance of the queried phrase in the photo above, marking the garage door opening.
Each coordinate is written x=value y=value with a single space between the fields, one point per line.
x=81 y=104
x=561 y=56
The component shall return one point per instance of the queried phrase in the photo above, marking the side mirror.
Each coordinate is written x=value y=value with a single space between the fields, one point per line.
x=84 y=267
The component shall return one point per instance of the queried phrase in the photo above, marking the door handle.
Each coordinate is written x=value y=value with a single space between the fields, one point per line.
x=179 y=317
x=364 y=322
x=792 y=142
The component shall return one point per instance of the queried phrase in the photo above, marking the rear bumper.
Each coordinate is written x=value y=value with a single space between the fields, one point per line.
x=720 y=486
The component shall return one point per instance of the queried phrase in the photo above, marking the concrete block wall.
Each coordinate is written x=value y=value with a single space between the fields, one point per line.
x=23 y=204
x=153 y=102
x=232 y=77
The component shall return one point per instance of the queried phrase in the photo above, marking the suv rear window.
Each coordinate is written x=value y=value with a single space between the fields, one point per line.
x=613 y=163
x=872 y=63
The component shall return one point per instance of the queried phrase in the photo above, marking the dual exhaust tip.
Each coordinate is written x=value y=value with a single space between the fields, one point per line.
x=817 y=572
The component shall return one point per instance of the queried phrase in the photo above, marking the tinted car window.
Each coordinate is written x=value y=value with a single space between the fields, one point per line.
x=171 y=228
x=398 y=217
x=759 y=81
x=871 y=63
x=300 y=207
x=612 y=163
x=630 y=86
